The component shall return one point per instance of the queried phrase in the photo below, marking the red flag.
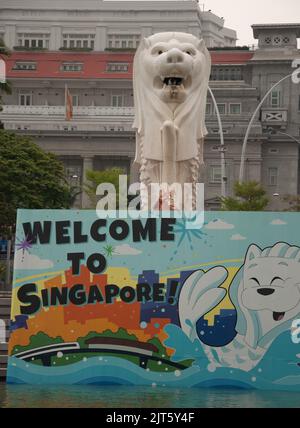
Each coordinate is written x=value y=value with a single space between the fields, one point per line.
x=69 y=104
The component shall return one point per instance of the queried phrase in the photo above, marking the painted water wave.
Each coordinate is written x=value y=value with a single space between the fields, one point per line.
x=278 y=370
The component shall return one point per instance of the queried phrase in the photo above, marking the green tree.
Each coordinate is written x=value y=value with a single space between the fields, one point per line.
x=29 y=178
x=94 y=178
x=248 y=197
x=293 y=202
x=36 y=341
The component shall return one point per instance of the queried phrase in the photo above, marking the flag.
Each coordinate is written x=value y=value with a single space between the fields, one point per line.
x=69 y=104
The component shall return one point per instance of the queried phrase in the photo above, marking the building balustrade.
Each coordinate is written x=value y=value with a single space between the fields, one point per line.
x=45 y=110
x=274 y=116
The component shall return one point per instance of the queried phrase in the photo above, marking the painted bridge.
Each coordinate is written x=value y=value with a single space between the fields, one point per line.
x=143 y=351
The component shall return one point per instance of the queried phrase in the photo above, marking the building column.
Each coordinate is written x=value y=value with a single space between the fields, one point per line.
x=10 y=36
x=55 y=38
x=87 y=164
x=100 y=39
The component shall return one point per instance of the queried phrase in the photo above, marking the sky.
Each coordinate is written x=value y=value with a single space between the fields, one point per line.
x=240 y=15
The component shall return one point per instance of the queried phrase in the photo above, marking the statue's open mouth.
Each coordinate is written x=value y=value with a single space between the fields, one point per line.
x=278 y=316
x=173 y=81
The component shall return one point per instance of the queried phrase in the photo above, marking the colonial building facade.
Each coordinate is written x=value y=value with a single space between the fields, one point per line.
x=89 y=48
x=99 y=25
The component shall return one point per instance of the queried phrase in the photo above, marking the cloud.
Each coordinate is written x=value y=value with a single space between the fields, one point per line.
x=126 y=250
x=238 y=237
x=219 y=225
x=278 y=222
x=28 y=261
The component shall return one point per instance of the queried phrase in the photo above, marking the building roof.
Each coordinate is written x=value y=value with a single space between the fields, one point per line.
x=98 y=5
x=231 y=57
x=48 y=64
x=257 y=28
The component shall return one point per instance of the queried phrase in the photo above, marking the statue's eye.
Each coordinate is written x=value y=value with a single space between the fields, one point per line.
x=255 y=280
x=190 y=52
x=160 y=52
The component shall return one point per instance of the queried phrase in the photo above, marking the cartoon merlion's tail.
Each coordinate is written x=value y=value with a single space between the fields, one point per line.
x=200 y=293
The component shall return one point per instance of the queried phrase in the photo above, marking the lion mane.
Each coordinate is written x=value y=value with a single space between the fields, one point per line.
x=151 y=112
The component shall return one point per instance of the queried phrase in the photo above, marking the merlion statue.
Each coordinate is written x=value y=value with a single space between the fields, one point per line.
x=170 y=78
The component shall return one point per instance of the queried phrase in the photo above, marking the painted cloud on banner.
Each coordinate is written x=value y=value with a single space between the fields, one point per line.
x=219 y=225
x=126 y=250
x=238 y=237
x=30 y=261
x=278 y=222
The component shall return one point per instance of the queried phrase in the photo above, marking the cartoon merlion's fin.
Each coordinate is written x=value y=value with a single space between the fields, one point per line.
x=199 y=295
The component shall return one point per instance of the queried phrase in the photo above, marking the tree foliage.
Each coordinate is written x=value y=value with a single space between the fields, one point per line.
x=248 y=197
x=94 y=178
x=293 y=202
x=29 y=178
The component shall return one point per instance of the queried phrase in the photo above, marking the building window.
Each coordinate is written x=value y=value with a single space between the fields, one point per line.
x=222 y=108
x=117 y=100
x=72 y=66
x=78 y=41
x=24 y=66
x=123 y=41
x=117 y=67
x=275 y=98
x=299 y=103
x=226 y=73
x=235 y=108
x=273 y=176
x=208 y=109
x=34 y=40
x=75 y=100
x=25 y=99
x=215 y=174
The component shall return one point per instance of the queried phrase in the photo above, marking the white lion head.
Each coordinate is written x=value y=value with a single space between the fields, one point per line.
x=170 y=75
x=266 y=292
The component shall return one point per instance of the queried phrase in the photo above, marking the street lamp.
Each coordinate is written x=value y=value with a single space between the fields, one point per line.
x=222 y=148
x=242 y=166
x=273 y=131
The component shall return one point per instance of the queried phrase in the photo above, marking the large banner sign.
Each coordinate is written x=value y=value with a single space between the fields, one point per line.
x=156 y=302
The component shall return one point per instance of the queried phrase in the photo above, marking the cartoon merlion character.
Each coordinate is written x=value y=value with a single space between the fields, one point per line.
x=265 y=293
x=170 y=79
